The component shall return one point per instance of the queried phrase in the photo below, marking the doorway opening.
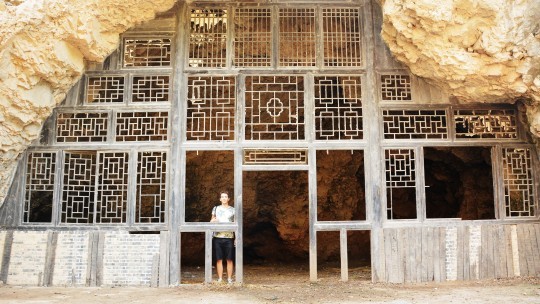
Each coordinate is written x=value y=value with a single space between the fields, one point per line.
x=275 y=225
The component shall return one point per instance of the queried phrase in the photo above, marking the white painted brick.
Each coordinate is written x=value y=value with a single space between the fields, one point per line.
x=451 y=253
x=27 y=259
x=128 y=258
x=71 y=259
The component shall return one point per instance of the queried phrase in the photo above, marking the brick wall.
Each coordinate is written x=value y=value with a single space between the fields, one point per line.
x=27 y=260
x=128 y=258
x=71 y=260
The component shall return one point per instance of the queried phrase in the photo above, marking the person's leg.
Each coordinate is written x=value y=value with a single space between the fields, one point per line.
x=229 y=269
x=219 y=268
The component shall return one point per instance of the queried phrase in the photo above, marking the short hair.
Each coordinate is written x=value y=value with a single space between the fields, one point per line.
x=224 y=192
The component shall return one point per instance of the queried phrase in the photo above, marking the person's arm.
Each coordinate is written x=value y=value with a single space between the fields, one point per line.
x=213 y=218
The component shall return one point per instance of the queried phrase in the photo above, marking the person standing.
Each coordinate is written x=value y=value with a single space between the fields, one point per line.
x=223 y=241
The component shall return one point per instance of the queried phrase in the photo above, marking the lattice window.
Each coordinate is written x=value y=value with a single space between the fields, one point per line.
x=415 y=124
x=151 y=198
x=147 y=52
x=82 y=127
x=400 y=181
x=141 y=126
x=208 y=38
x=297 y=37
x=253 y=37
x=518 y=182
x=396 y=88
x=342 y=37
x=211 y=108
x=40 y=175
x=112 y=187
x=79 y=188
x=151 y=88
x=500 y=124
x=338 y=107
x=274 y=107
x=105 y=89
x=275 y=156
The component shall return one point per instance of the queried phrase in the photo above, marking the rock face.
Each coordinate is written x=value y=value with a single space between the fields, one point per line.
x=478 y=50
x=43 y=48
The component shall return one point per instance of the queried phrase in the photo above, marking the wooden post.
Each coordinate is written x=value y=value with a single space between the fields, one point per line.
x=343 y=253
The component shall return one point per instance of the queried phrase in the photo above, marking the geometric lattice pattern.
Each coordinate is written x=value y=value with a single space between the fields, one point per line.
x=40 y=181
x=400 y=173
x=79 y=188
x=297 y=37
x=81 y=127
x=500 y=124
x=252 y=37
x=338 y=107
x=151 y=197
x=208 y=38
x=275 y=156
x=105 y=89
x=141 y=126
x=112 y=187
x=415 y=124
x=152 y=88
x=211 y=108
x=274 y=108
x=342 y=37
x=396 y=88
x=147 y=52
x=518 y=182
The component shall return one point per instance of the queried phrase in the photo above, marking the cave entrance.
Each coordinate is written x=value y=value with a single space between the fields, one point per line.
x=275 y=225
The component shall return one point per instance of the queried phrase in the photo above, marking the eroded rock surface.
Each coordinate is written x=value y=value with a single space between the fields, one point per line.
x=479 y=50
x=43 y=48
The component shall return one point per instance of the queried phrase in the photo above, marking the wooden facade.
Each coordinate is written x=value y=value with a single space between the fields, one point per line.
x=146 y=107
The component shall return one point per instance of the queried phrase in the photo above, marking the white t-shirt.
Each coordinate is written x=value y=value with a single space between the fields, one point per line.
x=224 y=215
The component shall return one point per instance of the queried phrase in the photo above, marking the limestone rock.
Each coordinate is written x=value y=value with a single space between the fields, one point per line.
x=479 y=50
x=44 y=45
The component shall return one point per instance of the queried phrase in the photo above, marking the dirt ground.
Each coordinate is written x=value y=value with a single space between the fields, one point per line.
x=275 y=284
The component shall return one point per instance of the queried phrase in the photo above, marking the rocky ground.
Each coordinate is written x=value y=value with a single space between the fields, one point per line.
x=280 y=285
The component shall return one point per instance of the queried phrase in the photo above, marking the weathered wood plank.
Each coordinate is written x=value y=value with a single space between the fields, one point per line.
x=208 y=256
x=402 y=253
x=394 y=257
x=535 y=251
x=429 y=255
x=495 y=241
x=418 y=254
x=425 y=257
x=459 y=252
x=411 y=264
x=48 y=270
x=343 y=254
x=387 y=254
x=523 y=267
x=6 y=256
x=442 y=253
x=501 y=250
x=99 y=257
x=508 y=248
x=537 y=233
x=529 y=254
x=163 y=258
x=467 y=267
x=436 y=241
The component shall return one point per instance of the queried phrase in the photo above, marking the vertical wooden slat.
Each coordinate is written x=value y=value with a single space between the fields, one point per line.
x=501 y=249
x=48 y=271
x=442 y=253
x=537 y=233
x=535 y=252
x=529 y=254
x=343 y=255
x=411 y=269
x=6 y=256
x=495 y=241
x=460 y=248
x=418 y=254
x=163 y=270
x=208 y=256
x=429 y=254
x=507 y=230
x=424 y=260
x=523 y=267
x=402 y=253
x=436 y=241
